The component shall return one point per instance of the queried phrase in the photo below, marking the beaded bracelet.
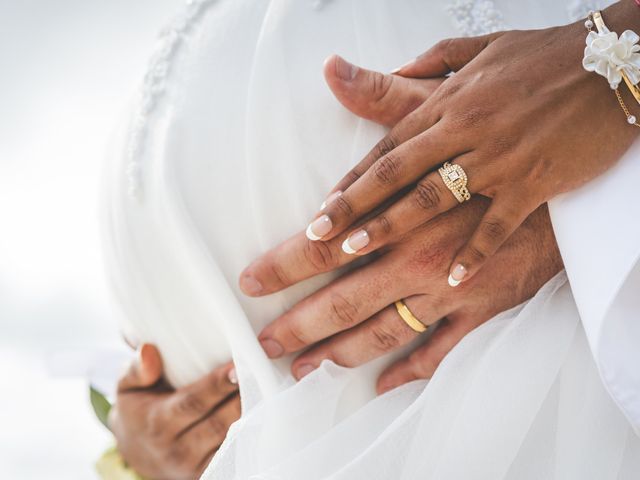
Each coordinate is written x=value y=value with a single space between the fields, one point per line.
x=615 y=58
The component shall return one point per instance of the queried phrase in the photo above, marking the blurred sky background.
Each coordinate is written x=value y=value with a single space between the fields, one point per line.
x=67 y=68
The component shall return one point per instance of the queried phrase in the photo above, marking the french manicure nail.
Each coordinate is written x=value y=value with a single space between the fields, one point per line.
x=272 y=348
x=396 y=70
x=304 y=370
x=345 y=70
x=356 y=241
x=233 y=376
x=250 y=285
x=457 y=275
x=330 y=199
x=319 y=228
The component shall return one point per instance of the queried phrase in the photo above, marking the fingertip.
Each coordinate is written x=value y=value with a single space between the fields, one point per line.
x=457 y=275
x=232 y=376
x=302 y=370
x=249 y=283
x=271 y=347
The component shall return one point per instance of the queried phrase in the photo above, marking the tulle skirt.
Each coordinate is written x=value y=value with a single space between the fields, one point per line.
x=230 y=149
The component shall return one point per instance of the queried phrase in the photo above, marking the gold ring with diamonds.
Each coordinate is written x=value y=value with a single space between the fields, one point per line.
x=455 y=179
x=408 y=317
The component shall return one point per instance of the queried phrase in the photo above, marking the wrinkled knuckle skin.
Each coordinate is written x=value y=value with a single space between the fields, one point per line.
x=477 y=255
x=344 y=313
x=383 y=225
x=387 y=169
x=191 y=403
x=385 y=146
x=343 y=206
x=380 y=85
x=277 y=272
x=384 y=339
x=319 y=255
x=494 y=229
x=427 y=194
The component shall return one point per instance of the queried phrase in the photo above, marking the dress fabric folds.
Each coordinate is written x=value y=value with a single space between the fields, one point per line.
x=239 y=146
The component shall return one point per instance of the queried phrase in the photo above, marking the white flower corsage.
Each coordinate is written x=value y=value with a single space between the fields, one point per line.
x=609 y=55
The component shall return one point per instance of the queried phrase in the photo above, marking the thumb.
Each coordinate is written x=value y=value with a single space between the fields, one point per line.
x=145 y=371
x=446 y=56
x=384 y=99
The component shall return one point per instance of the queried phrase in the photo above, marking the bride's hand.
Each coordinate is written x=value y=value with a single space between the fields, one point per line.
x=167 y=433
x=353 y=319
x=522 y=118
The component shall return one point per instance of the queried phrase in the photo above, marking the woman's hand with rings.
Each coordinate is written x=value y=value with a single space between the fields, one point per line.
x=521 y=118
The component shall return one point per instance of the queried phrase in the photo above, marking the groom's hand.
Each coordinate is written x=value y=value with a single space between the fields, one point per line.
x=164 y=433
x=353 y=319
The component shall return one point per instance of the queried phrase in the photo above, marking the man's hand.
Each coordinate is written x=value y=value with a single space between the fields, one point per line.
x=164 y=433
x=353 y=319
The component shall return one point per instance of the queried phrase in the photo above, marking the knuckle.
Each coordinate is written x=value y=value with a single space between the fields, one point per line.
x=494 y=229
x=384 y=224
x=380 y=85
x=343 y=205
x=385 y=146
x=470 y=118
x=477 y=254
x=428 y=194
x=353 y=175
x=387 y=169
x=343 y=313
x=278 y=273
x=319 y=255
x=190 y=403
x=384 y=339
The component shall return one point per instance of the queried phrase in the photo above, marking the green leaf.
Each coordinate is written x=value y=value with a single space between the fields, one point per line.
x=101 y=406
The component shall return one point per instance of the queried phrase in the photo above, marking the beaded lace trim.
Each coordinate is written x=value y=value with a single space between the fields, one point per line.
x=154 y=85
x=470 y=17
x=476 y=17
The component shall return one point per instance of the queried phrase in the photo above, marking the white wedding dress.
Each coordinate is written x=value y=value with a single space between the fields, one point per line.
x=233 y=144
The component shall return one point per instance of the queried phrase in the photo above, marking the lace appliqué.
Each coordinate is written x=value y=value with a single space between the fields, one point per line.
x=154 y=86
x=476 y=17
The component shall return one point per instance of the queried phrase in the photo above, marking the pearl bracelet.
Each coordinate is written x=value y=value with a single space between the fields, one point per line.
x=615 y=58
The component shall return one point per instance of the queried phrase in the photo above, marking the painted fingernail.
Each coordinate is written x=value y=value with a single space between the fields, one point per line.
x=345 y=70
x=457 y=275
x=330 y=199
x=250 y=285
x=304 y=370
x=319 y=228
x=272 y=348
x=410 y=62
x=356 y=241
x=233 y=376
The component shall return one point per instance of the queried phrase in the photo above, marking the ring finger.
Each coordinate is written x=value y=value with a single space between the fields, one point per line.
x=428 y=199
x=382 y=333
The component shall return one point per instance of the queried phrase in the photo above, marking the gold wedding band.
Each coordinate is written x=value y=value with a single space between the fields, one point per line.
x=455 y=179
x=408 y=317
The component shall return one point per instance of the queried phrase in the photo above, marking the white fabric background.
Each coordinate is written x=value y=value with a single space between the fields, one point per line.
x=241 y=148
